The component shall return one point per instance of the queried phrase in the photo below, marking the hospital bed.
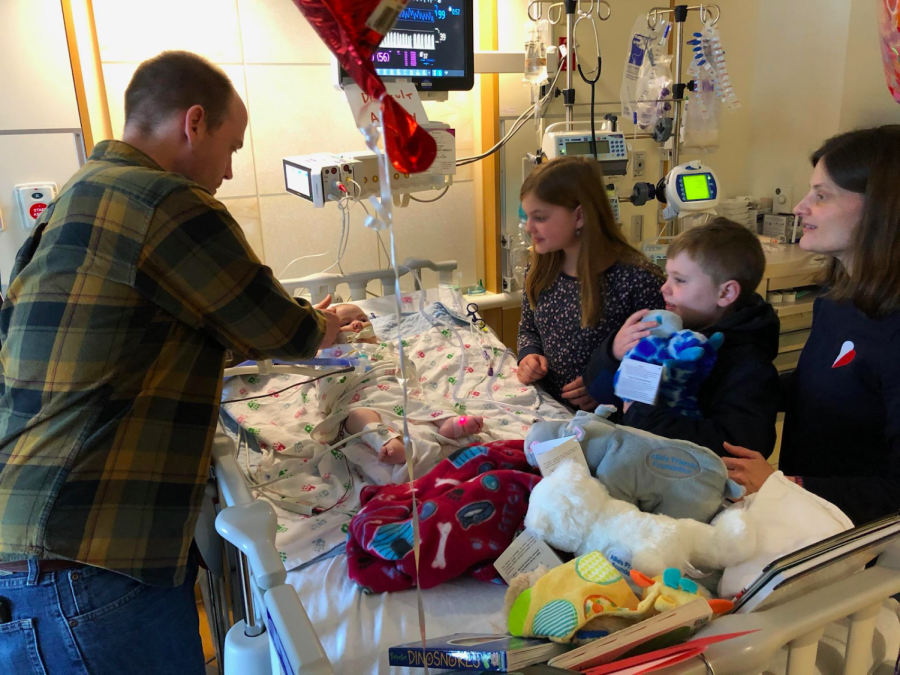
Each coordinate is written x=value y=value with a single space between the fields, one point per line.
x=809 y=634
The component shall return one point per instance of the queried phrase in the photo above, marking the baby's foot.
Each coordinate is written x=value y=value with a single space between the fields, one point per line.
x=392 y=452
x=455 y=427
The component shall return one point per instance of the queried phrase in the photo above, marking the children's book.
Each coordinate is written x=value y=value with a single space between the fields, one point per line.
x=475 y=652
x=662 y=658
x=657 y=632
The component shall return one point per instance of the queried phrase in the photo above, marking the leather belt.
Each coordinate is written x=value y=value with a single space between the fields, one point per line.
x=43 y=566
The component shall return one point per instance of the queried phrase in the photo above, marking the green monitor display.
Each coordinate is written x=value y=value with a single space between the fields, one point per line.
x=696 y=188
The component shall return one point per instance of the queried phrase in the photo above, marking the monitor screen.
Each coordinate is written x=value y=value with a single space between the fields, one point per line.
x=432 y=43
x=297 y=180
x=578 y=148
x=696 y=187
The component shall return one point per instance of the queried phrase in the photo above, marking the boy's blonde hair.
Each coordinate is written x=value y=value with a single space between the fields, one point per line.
x=725 y=251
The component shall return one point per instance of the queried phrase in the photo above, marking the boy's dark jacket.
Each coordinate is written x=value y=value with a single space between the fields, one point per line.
x=739 y=400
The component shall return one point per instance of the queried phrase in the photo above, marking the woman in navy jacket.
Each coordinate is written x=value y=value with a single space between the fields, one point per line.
x=842 y=405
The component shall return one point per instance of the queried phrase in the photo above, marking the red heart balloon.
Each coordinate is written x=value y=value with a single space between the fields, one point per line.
x=352 y=30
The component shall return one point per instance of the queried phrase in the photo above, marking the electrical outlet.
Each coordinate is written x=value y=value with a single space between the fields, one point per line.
x=639 y=163
x=637 y=227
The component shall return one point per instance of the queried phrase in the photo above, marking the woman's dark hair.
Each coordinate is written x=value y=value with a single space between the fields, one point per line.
x=867 y=161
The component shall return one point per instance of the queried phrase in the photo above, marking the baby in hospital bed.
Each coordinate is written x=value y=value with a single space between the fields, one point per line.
x=378 y=432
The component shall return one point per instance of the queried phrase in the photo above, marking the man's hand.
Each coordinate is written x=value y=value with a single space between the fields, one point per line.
x=631 y=332
x=332 y=326
x=576 y=393
x=324 y=303
x=747 y=468
x=532 y=368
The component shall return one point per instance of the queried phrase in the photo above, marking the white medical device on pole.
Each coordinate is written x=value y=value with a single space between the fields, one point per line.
x=690 y=189
x=690 y=192
x=612 y=153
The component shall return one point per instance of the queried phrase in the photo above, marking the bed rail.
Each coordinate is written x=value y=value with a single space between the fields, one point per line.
x=320 y=285
x=800 y=624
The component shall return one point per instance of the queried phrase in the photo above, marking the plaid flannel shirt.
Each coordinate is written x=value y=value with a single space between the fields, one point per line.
x=114 y=330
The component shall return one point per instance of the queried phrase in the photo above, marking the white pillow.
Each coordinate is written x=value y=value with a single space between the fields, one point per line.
x=787 y=518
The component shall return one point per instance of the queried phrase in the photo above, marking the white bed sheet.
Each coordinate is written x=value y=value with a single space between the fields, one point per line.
x=283 y=425
x=357 y=630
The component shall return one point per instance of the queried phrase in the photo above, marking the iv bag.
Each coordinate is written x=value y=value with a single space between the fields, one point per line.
x=653 y=83
x=643 y=40
x=700 y=130
x=537 y=37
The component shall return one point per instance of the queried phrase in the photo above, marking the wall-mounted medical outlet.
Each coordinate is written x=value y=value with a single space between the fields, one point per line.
x=639 y=164
x=782 y=200
x=637 y=227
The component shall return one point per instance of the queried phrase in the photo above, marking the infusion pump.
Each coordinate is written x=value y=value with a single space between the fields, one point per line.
x=612 y=152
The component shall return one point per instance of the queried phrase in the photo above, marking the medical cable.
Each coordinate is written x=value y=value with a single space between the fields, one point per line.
x=266 y=485
x=429 y=201
x=435 y=322
x=593 y=81
x=297 y=384
x=383 y=247
x=302 y=257
x=517 y=125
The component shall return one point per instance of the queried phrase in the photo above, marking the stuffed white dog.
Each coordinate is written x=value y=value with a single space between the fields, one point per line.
x=572 y=511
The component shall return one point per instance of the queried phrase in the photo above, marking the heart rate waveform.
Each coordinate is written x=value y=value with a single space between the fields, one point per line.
x=398 y=40
x=413 y=14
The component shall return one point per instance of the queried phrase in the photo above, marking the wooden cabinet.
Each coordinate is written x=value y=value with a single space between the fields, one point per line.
x=789 y=267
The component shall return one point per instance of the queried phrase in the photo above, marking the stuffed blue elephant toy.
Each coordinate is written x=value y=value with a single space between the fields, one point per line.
x=658 y=475
x=687 y=358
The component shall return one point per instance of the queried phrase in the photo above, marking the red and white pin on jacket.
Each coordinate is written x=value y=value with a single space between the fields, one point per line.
x=848 y=353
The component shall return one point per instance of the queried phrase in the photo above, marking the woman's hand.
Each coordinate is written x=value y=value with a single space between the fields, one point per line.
x=576 y=393
x=532 y=368
x=631 y=332
x=747 y=468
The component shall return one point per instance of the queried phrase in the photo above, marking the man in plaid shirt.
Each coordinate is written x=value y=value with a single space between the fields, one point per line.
x=120 y=309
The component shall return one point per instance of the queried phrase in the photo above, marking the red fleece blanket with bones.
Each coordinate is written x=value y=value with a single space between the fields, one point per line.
x=470 y=507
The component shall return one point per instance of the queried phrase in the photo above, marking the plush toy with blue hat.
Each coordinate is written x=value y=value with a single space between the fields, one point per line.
x=687 y=358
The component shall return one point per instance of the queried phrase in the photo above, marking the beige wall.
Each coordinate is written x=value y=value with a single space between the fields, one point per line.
x=282 y=71
x=803 y=70
x=818 y=72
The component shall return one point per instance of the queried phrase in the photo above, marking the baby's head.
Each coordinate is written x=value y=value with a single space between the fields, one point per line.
x=710 y=269
x=352 y=321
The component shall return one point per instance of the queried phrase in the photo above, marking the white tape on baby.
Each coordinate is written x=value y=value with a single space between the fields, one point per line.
x=375 y=435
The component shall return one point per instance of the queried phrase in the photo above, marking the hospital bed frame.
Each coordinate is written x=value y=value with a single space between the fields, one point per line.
x=265 y=604
x=320 y=285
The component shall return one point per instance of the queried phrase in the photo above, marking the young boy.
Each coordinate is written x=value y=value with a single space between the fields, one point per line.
x=713 y=272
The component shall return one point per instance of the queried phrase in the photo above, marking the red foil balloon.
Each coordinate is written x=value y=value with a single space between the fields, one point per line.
x=348 y=28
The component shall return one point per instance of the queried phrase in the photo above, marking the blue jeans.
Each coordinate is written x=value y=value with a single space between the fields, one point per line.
x=88 y=621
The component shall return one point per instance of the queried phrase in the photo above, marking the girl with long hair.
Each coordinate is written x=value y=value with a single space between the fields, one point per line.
x=583 y=280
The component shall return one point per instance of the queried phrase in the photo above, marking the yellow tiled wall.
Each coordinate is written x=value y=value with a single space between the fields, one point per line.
x=282 y=71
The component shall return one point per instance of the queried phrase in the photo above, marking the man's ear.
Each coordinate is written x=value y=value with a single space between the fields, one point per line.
x=195 y=124
x=729 y=292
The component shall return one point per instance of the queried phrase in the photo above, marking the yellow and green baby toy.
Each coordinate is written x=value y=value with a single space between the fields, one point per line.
x=588 y=592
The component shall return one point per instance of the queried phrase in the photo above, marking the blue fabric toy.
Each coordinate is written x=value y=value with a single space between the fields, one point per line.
x=687 y=358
